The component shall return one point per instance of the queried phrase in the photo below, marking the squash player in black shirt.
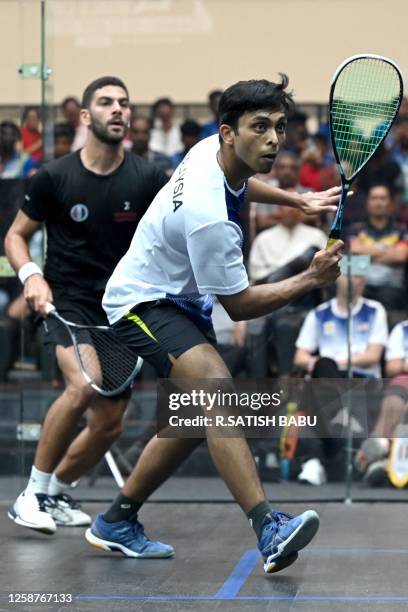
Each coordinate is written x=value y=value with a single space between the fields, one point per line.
x=90 y=202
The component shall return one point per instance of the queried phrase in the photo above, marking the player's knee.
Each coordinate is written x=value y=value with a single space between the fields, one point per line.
x=79 y=396
x=105 y=425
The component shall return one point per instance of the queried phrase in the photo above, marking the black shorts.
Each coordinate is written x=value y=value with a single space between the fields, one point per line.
x=156 y=329
x=80 y=310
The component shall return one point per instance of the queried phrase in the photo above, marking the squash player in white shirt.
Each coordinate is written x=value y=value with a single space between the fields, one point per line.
x=187 y=248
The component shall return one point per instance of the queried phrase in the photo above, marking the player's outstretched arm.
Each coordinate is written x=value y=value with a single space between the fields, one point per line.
x=261 y=300
x=310 y=203
x=36 y=290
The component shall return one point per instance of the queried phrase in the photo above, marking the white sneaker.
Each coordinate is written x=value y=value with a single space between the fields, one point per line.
x=313 y=473
x=67 y=512
x=33 y=510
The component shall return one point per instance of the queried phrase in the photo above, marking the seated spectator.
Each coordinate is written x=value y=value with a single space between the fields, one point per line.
x=31 y=135
x=316 y=172
x=165 y=135
x=385 y=242
x=277 y=246
x=230 y=339
x=64 y=135
x=324 y=335
x=139 y=136
x=296 y=133
x=285 y=174
x=371 y=460
x=211 y=127
x=383 y=169
x=277 y=253
x=13 y=163
x=322 y=351
x=399 y=150
x=71 y=111
x=190 y=136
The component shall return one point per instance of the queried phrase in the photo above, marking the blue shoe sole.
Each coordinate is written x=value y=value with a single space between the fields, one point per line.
x=102 y=544
x=287 y=550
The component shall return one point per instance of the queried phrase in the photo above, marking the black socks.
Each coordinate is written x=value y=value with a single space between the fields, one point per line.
x=122 y=509
x=257 y=515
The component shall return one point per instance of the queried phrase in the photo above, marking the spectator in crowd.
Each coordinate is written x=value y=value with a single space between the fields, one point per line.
x=386 y=243
x=13 y=163
x=279 y=245
x=317 y=172
x=383 y=169
x=296 y=133
x=211 y=127
x=64 y=135
x=71 y=110
x=371 y=459
x=139 y=136
x=322 y=351
x=399 y=150
x=230 y=338
x=190 y=135
x=31 y=134
x=166 y=134
x=277 y=253
x=285 y=175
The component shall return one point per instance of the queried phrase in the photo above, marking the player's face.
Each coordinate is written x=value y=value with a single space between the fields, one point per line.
x=109 y=113
x=259 y=137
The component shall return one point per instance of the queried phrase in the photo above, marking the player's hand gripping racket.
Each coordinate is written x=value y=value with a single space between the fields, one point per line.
x=365 y=96
x=105 y=362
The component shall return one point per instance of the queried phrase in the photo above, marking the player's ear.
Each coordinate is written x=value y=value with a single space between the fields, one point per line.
x=227 y=134
x=85 y=117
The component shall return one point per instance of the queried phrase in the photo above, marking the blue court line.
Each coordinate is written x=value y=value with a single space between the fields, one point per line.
x=239 y=575
x=360 y=551
x=293 y=598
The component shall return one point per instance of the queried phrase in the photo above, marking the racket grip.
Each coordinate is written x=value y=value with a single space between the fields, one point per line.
x=49 y=308
x=334 y=236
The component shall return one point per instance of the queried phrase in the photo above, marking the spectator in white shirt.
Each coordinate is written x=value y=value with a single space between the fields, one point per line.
x=166 y=135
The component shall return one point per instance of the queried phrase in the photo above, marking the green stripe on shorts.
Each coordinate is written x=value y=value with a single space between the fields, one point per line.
x=131 y=316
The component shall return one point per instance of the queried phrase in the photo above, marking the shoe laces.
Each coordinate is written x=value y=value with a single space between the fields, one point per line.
x=45 y=503
x=67 y=500
x=276 y=520
x=138 y=529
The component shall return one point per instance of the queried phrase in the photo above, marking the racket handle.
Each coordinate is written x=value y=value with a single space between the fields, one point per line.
x=334 y=236
x=49 y=308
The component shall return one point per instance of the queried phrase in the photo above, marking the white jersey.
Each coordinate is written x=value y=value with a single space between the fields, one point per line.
x=325 y=330
x=187 y=246
x=397 y=347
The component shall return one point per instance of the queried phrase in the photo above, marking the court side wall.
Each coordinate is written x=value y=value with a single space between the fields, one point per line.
x=184 y=48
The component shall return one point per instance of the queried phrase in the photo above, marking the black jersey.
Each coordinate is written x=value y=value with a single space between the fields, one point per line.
x=90 y=219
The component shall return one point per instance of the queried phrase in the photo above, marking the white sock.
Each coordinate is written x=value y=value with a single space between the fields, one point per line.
x=38 y=482
x=57 y=486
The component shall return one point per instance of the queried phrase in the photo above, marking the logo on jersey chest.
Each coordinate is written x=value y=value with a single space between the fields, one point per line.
x=79 y=213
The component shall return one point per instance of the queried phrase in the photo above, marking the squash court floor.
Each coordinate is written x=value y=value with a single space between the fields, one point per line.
x=357 y=562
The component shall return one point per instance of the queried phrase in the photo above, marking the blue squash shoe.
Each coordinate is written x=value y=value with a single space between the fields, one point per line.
x=282 y=536
x=128 y=537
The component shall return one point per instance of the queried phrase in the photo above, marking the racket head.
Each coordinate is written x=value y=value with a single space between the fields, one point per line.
x=365 y=97
x=107 y=364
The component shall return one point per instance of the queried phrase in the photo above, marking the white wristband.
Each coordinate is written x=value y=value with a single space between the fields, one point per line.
x=28 y=269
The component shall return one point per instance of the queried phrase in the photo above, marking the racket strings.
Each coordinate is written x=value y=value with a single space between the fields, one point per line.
x=365 y=101
x=104 y=358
